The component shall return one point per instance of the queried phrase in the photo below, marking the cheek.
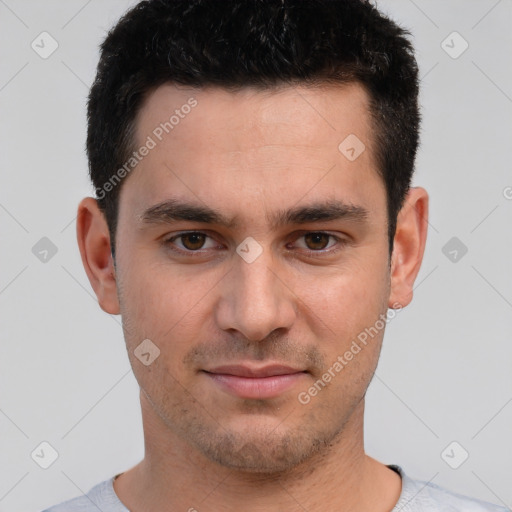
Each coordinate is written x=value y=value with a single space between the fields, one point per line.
x=166 y=304
x=158 y=291
x=156 y=307
x=349 y=332
x=348 y=299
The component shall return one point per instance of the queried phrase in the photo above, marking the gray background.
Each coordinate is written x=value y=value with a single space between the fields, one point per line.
x=445 y=371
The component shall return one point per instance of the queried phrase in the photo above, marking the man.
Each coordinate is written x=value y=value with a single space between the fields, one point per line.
x=255 y=227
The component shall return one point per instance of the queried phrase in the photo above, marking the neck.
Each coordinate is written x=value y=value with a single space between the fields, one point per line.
x=174 y=476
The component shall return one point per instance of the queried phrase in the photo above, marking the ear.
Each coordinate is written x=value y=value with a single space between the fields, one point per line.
x=94 y=243
x=408 y=247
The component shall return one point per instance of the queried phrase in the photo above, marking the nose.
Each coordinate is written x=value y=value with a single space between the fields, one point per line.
x=255 y=299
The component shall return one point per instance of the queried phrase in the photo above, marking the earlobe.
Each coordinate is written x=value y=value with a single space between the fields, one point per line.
x=409 y=246
x=94 y=244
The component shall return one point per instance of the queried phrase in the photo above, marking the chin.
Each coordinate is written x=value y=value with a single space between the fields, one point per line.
x=263 y=452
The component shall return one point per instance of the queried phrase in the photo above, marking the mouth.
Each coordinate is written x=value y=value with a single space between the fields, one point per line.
x=246 y=381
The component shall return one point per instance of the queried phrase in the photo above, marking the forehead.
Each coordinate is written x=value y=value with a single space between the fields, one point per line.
x=310 y=115
x=211 y=144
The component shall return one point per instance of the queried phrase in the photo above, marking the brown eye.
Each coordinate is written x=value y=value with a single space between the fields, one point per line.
x=193 y=241
x=317 y=241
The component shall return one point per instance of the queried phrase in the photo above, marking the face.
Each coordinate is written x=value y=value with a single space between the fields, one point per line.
x=253 y=252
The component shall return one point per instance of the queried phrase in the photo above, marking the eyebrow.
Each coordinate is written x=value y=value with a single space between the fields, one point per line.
x=173 y=210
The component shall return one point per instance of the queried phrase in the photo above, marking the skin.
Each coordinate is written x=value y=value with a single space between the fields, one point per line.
x=249 y=154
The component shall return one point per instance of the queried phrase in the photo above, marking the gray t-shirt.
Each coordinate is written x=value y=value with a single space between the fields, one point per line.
x=416 y=496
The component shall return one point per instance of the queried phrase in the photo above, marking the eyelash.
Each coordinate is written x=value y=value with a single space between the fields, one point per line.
x=168 y=242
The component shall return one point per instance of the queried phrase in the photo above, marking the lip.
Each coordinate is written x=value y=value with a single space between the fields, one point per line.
x=252 y=382
x=239 y=370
